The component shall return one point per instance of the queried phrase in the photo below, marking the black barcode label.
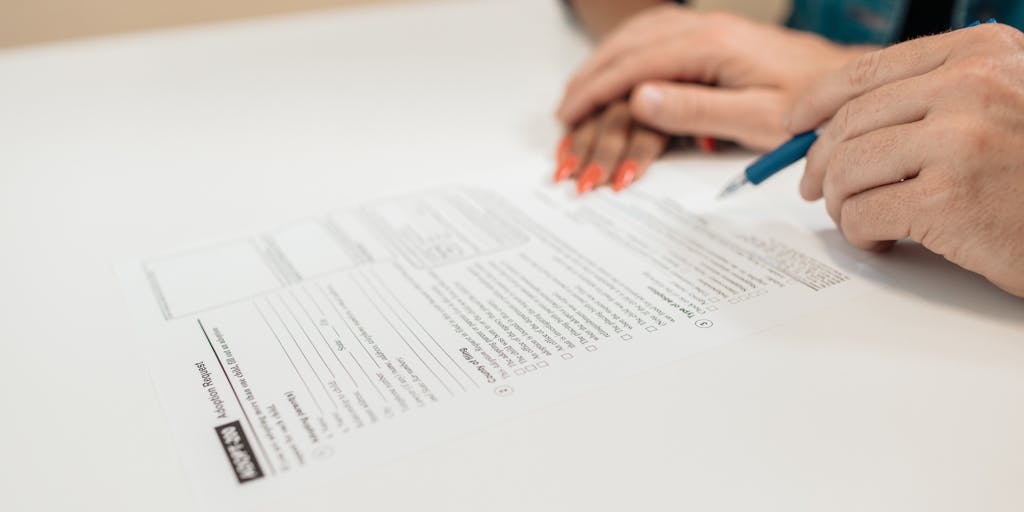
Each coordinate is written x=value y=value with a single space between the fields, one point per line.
x=236 y=446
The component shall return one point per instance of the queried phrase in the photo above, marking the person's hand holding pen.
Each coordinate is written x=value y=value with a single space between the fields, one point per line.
x=926 y=141
x=693 y=74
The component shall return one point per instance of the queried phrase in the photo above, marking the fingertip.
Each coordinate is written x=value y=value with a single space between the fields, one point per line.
x=808 y=111
x=563 y=147
x=589 y=179
x=625 y=176
x=566 y=166
x=646 y=101
x=572 y=113
x=803 y=117
x=807 y=189
x=560 y=115
x=794 y=121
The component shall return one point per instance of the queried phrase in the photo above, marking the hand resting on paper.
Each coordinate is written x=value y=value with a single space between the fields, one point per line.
x=926 y=141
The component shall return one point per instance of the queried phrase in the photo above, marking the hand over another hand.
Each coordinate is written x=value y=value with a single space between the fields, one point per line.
x=607 y=146
x=703 y=74
x=926 y=141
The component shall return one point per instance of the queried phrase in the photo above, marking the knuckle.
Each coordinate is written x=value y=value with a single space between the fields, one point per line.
x=857 y=224
x=842 y=121
x=836 y=181
x=852 y=221
x=935 y=198
x=685 y=106
x=864 y=69
x=998 y=33
x=975 y=137
x=617 y=112
x=976 y=68
x=942 y=193
x=984 y=78
x=832 y=185
x=722 y=27
x=716 y=35
x=840 y=159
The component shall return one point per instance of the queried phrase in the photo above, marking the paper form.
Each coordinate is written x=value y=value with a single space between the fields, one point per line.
x=323 y=345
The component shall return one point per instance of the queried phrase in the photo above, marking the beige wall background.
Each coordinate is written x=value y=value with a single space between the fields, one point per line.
x=24 y=22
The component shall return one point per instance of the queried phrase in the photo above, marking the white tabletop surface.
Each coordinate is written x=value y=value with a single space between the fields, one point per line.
x=911 y=398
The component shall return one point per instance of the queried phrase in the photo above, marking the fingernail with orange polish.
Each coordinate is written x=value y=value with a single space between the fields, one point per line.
x=588 y=180
x=565 y=167
x=625 y=176
x=563 y=147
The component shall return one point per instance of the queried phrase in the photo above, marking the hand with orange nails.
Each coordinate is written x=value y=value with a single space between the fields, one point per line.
x=704 y=74
x=607 y=147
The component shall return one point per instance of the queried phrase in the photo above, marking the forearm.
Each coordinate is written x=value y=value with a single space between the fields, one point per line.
x=599 y=17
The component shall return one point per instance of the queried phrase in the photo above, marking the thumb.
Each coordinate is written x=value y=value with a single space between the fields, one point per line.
x=751 y=116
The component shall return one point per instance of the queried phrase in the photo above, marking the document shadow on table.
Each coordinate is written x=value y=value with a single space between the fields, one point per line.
x=910 y=267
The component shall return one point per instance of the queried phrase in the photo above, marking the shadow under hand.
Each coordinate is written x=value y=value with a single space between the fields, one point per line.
x=911 y=268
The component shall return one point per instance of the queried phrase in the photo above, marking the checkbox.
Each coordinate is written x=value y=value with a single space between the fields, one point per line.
x=542 y=364
x=531 y=367
x=566 y=356
x=591 y=348
x=627 y=337
x=519 y=371
x=650 y=328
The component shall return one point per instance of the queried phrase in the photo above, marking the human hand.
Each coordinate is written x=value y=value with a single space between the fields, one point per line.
x=608 y=146
x=926 y=141
x=702 y=74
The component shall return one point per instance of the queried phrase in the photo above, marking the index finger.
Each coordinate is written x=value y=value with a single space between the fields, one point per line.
x=868 y=72
x=650 y=25
x=652 y=63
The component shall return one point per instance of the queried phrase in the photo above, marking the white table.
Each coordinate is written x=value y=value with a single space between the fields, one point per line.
x=907 y=399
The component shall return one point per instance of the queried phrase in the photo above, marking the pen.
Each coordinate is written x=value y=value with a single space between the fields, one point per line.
x=787 y=154
x=771 y=163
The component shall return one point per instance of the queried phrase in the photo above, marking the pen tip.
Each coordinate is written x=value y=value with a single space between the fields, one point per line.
x=733 y=186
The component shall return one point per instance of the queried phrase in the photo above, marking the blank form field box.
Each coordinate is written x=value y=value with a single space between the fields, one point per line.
x=207 y=278
x=650 y=328
x=627 y=337
x=306 y=249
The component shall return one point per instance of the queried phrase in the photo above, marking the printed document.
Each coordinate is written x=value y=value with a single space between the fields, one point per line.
x=323 y=345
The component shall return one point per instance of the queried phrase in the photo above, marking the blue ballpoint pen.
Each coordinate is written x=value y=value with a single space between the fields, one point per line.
x=771 y=163
x=787 y=154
